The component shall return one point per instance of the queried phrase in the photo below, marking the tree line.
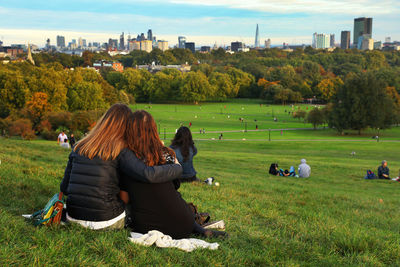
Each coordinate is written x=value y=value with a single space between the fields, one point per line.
x=361 y=88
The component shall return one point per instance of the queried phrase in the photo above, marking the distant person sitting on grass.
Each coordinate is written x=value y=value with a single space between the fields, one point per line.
x=383 y=171
x=185 y=150
x=397 y=178
x=304 y=169
x=273 y=169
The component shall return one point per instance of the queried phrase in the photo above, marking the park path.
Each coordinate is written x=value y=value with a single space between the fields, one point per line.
x=298 y=140
x=259 y=130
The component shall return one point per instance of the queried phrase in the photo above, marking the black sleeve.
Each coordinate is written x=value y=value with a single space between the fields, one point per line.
x=379 y=171
x=135 y=169
x=67 y=173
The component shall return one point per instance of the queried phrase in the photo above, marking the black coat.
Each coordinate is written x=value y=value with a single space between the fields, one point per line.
x=158 y=207
x=92 y=185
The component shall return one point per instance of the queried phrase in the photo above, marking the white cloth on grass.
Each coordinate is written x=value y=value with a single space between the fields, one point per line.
x=165 y=241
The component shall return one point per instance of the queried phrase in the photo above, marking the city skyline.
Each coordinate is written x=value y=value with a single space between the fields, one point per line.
x=203 y=22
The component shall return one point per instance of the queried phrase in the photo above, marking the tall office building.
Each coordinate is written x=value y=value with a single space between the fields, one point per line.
x=332 y=42
x=60 y=41
x=162 y=45
x=84 y=43
x=181 y=41
x=190 y=46
x=122 y=41
x=345 y=40
x=268 y=43
x=367 y=43
x=257 y=40
x=48 y=43
x=146 y=45
x=321 y=40
x=237 y=46
x=112 y=43
x=362 y=26
x=134 y=45
x=150 y=35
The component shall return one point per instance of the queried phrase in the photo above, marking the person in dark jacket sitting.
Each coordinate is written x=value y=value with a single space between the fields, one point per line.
x=383 y=171
x=184 y=149
x=91 y=178
x=156 y=206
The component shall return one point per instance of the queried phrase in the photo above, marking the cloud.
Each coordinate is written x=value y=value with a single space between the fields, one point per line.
x=351 y=7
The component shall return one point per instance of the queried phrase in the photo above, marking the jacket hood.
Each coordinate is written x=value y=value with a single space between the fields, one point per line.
x=303 y=161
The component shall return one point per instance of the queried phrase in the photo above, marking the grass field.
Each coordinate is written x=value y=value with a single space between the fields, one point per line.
x=216 y=118
x=333 y=218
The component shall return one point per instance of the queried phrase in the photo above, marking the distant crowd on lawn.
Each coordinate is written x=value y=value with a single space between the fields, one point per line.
x=304 y=170
x=121 y=175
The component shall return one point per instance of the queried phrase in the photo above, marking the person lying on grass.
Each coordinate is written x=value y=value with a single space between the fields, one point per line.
x=156 y=206
x=91 y=181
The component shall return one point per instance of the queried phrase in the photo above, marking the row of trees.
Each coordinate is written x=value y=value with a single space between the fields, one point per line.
x=344 y=79
x=362 y=102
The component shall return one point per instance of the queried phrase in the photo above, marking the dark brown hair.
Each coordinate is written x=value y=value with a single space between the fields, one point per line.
x=183 y=140
x=143 y=140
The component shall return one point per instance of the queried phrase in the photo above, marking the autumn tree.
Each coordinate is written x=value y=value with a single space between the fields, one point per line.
x=37 y=108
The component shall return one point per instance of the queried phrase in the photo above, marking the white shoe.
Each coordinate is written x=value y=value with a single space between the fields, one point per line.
x=215 y=225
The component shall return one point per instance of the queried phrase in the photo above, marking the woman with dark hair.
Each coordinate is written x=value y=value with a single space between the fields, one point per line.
x=156 y=206
x=91 y=178
x=185 y=150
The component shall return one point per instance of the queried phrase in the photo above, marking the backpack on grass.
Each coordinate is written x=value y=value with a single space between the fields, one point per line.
x=51 y=213
x=370 y=175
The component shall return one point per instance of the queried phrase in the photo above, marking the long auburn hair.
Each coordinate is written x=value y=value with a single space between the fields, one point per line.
x=142 y=138
x=183 y=140
x=107 y=138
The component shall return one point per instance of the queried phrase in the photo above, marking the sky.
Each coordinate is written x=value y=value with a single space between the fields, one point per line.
x=204 y=22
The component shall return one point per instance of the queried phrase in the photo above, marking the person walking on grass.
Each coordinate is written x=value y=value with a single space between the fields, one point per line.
x=185 y=150
x=383 y=170
x=62 y=138
x=91 y=178
x=72 y=140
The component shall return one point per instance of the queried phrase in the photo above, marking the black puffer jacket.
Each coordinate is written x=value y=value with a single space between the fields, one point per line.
x=92 y=186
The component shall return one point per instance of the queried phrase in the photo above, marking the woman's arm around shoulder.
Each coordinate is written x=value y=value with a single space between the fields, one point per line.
x=135 y=168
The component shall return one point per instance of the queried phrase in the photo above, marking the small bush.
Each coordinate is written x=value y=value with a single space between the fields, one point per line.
x=49 y=135
x=44 y=125
x=23 y=128
x=60 y=119
x=84 y=121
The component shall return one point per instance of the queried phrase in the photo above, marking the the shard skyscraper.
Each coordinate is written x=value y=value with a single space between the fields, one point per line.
x=257 y=41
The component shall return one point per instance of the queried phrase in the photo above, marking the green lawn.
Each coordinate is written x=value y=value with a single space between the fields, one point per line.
x=333 y=218
x=215 y=118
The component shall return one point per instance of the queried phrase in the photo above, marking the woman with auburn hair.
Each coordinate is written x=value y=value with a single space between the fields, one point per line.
x=156 y=206
x=185 y=150
x=91 y=178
